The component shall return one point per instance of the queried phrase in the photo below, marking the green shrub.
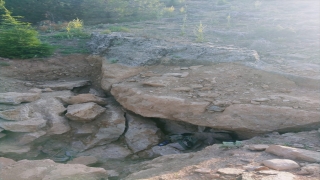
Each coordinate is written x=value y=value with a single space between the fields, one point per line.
x=18 y=39
x=74 y=29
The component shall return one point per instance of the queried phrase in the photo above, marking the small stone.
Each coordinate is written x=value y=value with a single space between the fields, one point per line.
x=195 y=67
x=261 y=99
x=213 y=81
x=298 y=145
x=86 y=160
x=196 y=86
x=255 y=102
x=264 y=86
x=216 y=108
x=281 y=164
x=230 y=171
x=35 y=90
x=285 y=100
x=47 y=90
x=185 y=89
x=312 y=169
x=236 y=102
x=258 y=147
x=112 y=173
x=184 y=68
x=203 y=170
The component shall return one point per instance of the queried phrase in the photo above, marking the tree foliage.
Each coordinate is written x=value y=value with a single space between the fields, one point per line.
x=18 y=39
x=65 y=10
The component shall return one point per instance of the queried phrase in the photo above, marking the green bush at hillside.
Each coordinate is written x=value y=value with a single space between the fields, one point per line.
x=18 y=39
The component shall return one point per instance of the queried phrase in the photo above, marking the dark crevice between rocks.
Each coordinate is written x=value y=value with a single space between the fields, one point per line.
x=205 y=136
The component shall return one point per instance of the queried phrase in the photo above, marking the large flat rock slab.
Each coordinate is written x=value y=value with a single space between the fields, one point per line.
x=223 y=96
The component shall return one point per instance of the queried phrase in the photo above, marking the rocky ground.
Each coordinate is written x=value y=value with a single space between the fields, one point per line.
x=256 y=74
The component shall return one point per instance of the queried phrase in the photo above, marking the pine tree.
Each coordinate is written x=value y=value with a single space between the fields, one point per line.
x=19 y=39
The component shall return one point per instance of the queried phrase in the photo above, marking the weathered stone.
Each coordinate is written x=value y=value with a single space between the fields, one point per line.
x=112 y=173
x=162 y=106
x=215 y=108
x=84 y=98
x=272 y=174
x=110 y=151
x=281 y=164
x=258 y=147
x=261 y=99
x=18 y=114
x=84 y=112
x=47 y=108
x=141 y=134
x=247 y=120
x=65 y=85
x=164 y=150
x=294 y=153
x=85 y=160
x=180 y=75
x=186 y=89
x=47 y=170
x=230 y=171
x=245 y=116
x=111 y=126
x=17 y=98
x=115 y=73
x=312 y=169
x=31 y=125
x=29 y=137
x=13 y=149
x=195 y=67
x=51 y=110
x=5 y=162
x=203 y=170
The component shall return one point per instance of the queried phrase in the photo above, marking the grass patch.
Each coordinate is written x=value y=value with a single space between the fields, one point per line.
x=73 y=34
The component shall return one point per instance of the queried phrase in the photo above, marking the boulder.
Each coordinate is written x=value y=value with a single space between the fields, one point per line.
x=15 y=98
x=245 y=119
x=142 y=133
x=48 y=169
x=84 y=112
